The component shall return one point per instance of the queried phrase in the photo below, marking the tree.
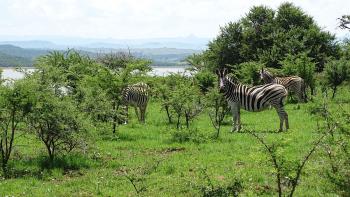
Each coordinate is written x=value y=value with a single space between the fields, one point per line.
x=102 y=98
x=123 y=69
x=218 y=109
x=336 y=72
x=267 y=36
x=344 y=22
x=15 y=104
x=180 y=97
x=57 y=122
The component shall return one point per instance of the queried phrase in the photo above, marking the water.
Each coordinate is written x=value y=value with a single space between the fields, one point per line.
x=11 y=73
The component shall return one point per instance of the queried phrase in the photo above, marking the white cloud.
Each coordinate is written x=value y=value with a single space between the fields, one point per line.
x=144 y=19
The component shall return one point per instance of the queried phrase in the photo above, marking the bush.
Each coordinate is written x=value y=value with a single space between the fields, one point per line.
x=336 y=72
x=302 y=66
x=249 y=72
x=205 y=80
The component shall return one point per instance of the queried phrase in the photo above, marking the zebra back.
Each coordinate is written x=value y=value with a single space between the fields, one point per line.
x=136 y=94
x=293 y=83
x=266 y=76
x=254 y=98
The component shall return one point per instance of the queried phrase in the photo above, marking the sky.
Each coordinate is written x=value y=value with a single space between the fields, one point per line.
x=137 y=19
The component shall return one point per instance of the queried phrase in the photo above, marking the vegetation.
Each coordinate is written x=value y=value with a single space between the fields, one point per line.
x=56 y=123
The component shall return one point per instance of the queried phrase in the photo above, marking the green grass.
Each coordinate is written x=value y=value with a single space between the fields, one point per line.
x=159 y=165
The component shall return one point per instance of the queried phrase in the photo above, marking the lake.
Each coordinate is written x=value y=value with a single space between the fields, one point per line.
x=12 y=73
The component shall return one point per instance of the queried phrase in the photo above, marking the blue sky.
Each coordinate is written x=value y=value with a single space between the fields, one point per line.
x=134 y=19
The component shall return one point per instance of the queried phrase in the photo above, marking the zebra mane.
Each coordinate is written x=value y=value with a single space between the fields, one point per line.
x=267 y=76
x=235 y=82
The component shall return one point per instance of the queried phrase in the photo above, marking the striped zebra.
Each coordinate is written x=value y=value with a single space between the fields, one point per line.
x=136 y=95
x=293 y=84
x=254 y=98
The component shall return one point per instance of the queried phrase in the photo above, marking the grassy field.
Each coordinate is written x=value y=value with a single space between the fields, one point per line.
x=148 y=159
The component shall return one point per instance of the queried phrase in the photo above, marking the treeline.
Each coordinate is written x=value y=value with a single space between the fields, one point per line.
x=287 y=41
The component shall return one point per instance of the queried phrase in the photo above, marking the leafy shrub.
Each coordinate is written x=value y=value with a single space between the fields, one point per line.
x=249 y=73
x=205 y=80
x=302 y=66
x=336 y=72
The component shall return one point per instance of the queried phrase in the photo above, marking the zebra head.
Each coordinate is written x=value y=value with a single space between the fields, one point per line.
x=266 y=76
x=222 y=78
x=261 y=73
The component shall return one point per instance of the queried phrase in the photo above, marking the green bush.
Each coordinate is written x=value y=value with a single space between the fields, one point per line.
x=302 y=66
x=249 y=72
x=336 y=72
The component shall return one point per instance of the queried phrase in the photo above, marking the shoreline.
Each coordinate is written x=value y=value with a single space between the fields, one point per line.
x=20 y=67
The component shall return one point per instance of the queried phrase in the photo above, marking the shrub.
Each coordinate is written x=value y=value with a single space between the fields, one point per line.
x=336 y=72
x=249 y=73
x=302 y=66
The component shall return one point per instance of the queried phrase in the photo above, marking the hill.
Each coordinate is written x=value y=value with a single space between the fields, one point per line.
x=12 y=56
x=13 y=61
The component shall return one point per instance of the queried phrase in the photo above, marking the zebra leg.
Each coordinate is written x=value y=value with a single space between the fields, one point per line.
x=137 y=113
x=235 y=117
x=126 y=114
x=282 y=115
x=238 y=121
x=142 y=114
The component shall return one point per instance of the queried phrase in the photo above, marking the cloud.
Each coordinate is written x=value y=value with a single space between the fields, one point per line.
x=144 y=19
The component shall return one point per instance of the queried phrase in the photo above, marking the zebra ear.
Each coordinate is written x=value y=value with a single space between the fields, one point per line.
x=217 y=71
x=224 y=72
x=262 y=69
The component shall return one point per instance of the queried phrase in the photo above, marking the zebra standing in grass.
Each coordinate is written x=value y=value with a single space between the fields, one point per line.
x=136 y=95
x=293 y=84
x=254 y=98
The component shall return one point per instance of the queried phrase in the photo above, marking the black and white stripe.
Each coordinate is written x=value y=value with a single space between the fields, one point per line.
x=136 y=95
x=293 y=84
x=256 y=98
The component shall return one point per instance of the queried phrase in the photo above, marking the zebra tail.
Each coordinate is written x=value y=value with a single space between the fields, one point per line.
x=303 y=88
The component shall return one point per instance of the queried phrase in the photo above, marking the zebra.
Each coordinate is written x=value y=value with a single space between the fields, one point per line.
x=254 y=99
x=136 y=95
x=293 y=84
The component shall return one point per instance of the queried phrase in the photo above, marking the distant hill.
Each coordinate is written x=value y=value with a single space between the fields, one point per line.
x=14 y=61
x=12 y=56
x=60 y=42
x=33 y=44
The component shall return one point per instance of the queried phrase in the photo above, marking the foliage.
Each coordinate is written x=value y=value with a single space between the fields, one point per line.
x=15 y=104
x=344 y=22
x=248 y=73
x=205 y=80
x=187 y=135
x=218 y=108
x=334 y=123
x=267 y=36
x=302 y=66
x=180 y=98
x=283 y=167
x=233 y=189
x=57 y=122
x=65 y=69
x=184 y=99
x=336 y=72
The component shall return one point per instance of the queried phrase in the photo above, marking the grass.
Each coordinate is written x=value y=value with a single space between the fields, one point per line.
x=155 y=160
